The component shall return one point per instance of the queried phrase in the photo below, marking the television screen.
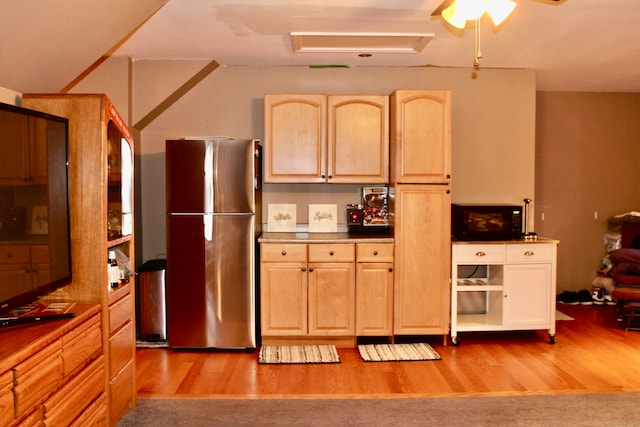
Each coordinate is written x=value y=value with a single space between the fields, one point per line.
x=35 y=254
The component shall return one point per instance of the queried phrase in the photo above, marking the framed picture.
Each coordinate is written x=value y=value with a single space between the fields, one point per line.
x=281 y=218
x=39 y=220
x=323 y=218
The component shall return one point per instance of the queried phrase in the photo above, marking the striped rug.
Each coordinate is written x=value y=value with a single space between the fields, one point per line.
x=397 y=352
x=298 y=354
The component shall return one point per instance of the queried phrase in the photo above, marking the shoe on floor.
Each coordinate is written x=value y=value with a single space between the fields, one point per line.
x=608 y=299
x=584 y=297
x=597 y=296
x=568 y=297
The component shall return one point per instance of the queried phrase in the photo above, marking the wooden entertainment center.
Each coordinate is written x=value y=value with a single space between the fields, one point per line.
x=52 y=373
x=101 y=211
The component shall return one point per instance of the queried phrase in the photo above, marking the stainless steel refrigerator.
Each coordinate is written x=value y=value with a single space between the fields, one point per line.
x=212 y=201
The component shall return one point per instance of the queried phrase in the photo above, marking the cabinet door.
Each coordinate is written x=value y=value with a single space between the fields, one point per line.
x=527 y=298
x=422 y=259
x=420 y=136
x=14 y=160
x=294 y=138
x=38 y=161
x=358 y=139
x=374 y=298
x=15 y=268
x=331 y=299
x=283 y=298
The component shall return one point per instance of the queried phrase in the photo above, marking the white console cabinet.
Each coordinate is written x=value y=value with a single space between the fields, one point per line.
x=504 y=285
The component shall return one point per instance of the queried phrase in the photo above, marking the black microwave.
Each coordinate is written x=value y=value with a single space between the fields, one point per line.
x=486 y=222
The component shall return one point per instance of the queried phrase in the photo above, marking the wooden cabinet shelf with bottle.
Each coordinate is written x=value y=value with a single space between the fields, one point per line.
x=101 y=212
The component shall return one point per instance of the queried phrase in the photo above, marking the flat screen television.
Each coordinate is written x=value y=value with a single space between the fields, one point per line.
x=35 y=249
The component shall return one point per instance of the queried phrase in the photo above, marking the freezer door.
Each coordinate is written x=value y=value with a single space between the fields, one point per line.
x=207 y=176
x=211 y=281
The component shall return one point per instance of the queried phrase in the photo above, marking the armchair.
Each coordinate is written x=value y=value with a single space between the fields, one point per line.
x=626 y=274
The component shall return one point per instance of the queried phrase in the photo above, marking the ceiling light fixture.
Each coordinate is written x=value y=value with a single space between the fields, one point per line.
x=461 y=11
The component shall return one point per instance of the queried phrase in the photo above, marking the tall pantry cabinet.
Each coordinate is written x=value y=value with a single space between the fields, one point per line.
x=420 y=169
x=101 y=212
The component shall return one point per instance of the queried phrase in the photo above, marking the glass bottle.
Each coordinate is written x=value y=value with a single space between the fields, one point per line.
x=113 y=272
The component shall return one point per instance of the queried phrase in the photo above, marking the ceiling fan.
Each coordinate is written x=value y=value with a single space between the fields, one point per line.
x=458 y=12
x=446 y=3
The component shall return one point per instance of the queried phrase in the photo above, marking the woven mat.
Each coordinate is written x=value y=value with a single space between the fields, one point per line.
x=298 y=354
x=152 y=344
x=397 y=352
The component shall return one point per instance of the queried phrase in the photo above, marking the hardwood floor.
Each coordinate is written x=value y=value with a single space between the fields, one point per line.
x=592 y=354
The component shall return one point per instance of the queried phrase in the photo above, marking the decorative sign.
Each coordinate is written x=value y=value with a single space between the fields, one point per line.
x=281 y=218
x=323 y=218
x=39 y=220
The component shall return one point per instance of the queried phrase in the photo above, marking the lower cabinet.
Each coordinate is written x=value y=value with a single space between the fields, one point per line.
x=53 y=374
x=307 y=290
x=313 y=290
x=503 y=286
x=374 y=290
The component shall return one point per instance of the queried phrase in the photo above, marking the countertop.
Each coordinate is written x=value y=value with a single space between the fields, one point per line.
x=27 y=239
x=323 y=238
x=510 y=241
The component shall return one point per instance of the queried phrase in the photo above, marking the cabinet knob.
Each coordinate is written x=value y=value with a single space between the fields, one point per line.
x=9 y=255
x=331 y=253
x=390 y=270
x=448 y=176
x=310 y=269
x=529 y=253
x=323 y=176
x=375 y=253
x=304 y=269
x=284 y=253
x=480 y=253
x=505 y=295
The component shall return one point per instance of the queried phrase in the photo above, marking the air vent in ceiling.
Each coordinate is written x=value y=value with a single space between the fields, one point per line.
x=360 y=42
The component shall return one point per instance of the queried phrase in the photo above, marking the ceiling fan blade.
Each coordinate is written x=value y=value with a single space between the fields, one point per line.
x=438 y=10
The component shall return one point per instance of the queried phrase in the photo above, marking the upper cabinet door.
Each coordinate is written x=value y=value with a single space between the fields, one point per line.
x=421 y=136
x=326 y=139
x=358 y=139
x=294 y=138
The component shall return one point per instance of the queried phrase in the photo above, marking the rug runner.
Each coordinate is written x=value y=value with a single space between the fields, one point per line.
x=397 y=352
x=298 y=354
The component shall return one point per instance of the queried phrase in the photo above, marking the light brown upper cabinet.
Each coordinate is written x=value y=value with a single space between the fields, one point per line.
x=421 y=136
x=25 y=162
x=316 y=138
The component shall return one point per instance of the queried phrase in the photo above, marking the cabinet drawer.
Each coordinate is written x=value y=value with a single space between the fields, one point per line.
x=14 y=255
x=94 y=415
x=121 y=391
x=6 y=398
x=120 y=313
x=81 y=345
x=530 y=253
x=327 y=252
x=478 y=254
x=286 y=252
x=68 y=402
x=374 y=252
x=121 y=348
x=36 y=377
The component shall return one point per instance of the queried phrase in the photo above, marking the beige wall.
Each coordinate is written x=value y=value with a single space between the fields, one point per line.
x=587 y=170
x=493 y=126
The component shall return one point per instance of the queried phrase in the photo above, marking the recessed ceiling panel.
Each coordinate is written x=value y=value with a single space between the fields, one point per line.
x=360 y=42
